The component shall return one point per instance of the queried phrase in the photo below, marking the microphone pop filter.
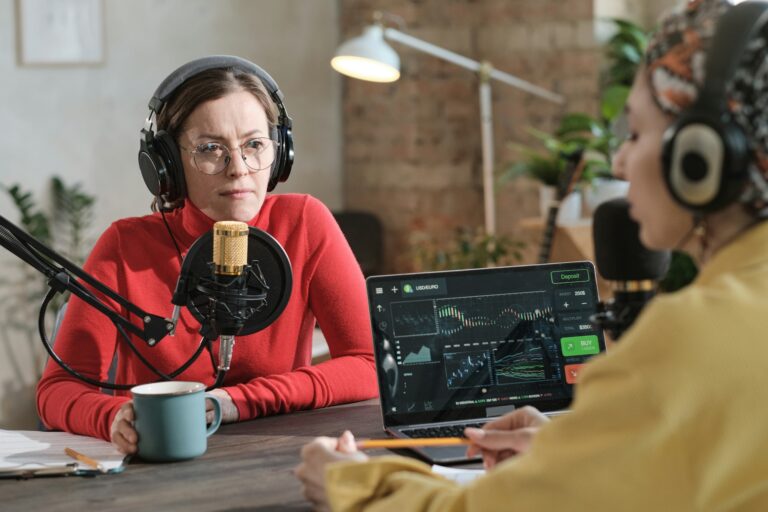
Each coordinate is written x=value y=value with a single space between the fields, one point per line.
x=619 y=254
x=268 y=259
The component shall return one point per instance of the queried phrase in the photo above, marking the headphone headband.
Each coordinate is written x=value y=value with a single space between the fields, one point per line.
x=195 y=67
x=727 y=47
x=159 y=158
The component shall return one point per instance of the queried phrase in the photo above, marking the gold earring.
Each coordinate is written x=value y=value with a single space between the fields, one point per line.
x=701 y=232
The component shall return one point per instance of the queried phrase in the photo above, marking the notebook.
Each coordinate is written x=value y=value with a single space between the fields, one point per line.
x=28 y=453
x=459 y=348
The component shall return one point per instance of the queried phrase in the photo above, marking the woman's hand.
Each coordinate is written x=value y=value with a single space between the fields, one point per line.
x=121 y=433
x=229 y=412
x=505 y=437
x=315 y=456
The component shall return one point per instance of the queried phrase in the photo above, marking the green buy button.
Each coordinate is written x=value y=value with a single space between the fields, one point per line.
x=580 y=345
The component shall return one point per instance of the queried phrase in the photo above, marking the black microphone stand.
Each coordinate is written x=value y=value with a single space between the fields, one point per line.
x=225 y=307
x=617 y=315
x=63 y=276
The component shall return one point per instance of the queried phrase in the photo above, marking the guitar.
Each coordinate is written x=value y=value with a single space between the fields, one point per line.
x=574 y=167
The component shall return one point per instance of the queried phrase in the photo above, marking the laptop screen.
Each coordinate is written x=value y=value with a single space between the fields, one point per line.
x=475 y=343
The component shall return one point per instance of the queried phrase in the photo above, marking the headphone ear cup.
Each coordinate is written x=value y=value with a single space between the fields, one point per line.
x=174 y=184
x=284 y=155
x=705 y=162
x=150 y=164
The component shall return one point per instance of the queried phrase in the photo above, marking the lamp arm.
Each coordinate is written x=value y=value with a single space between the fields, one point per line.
x=472 y=65
x=528 y=87
x=431 y=49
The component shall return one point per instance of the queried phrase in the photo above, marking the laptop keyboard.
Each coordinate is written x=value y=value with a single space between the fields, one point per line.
x=440 y=431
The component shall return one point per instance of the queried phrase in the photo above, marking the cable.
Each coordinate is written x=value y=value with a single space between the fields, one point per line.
x=219 y=380
x=47 y=344
x=104 y=384
x=173 y=238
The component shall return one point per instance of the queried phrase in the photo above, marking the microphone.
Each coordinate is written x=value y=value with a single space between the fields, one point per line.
x=235 y=280
x=632 y=269
x=230 y=256
x=225 y=292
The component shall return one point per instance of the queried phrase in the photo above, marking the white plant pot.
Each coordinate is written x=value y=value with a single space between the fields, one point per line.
x=546 y=196
x=570 y=207
x=602 y=190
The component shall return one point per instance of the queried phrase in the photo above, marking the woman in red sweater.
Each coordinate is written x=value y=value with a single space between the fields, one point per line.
x=223 y=141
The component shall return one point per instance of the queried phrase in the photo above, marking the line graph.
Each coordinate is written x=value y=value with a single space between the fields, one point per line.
x=524 y=366
x=491 y=317
x=414 y=318
x=467 y=369
x=526 y=360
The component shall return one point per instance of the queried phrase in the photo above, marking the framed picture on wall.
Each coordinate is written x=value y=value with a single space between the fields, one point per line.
x=60 y=32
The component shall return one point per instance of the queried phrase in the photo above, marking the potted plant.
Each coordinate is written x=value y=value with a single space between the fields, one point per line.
x=469 y=249
x=598 y=137
x=62 y=228
x=546 y=165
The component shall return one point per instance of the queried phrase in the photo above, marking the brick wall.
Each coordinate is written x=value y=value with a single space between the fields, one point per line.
x=412 y=148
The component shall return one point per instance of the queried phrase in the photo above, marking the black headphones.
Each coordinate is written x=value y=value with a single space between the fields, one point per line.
x=706 y=155
x=159 y=157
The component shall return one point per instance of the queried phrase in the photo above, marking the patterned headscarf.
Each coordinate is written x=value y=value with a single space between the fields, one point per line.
x=675 y=66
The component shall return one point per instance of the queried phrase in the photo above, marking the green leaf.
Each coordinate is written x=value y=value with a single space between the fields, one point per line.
x=547 y=139
x=629 y=53
x=682 y=270
x=624 y=51
x=627 y=32
x=469 y=249
x=74 y=213
x=33 y=220
x=576 y=123
x=613 y=101
x=542 y=167
x=596 y=169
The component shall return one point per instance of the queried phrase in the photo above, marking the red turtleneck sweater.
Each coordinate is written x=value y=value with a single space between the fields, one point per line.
x=271 y=370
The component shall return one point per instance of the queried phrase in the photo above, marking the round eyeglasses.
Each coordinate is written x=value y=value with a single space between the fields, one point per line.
x=213 y=157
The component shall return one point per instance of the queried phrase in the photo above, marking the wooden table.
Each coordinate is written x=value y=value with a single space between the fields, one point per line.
x=247 y=467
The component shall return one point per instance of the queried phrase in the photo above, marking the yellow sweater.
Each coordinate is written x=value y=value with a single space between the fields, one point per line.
x=675 y=417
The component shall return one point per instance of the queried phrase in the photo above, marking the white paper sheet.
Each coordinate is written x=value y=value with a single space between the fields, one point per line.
x=459 y=475
x=29 y=450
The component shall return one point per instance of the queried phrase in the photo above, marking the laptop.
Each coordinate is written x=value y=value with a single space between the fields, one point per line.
x=459 y=348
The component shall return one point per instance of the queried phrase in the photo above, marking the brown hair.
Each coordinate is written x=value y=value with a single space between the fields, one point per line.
x=210 y=85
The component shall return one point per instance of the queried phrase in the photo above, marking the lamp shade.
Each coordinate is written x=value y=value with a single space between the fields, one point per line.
x=368 y=57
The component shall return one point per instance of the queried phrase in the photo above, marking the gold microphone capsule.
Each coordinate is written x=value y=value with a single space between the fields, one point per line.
x=230 y=247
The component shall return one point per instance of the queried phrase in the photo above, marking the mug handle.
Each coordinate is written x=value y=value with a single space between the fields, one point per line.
x=216 y=415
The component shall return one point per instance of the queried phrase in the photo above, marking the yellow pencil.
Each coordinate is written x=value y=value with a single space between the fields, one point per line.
x=84 y=459
x=411 y=442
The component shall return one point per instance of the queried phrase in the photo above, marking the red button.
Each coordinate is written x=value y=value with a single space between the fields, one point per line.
x=572 y=373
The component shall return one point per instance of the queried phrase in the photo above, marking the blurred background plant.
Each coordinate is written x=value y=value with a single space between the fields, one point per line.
x=469 y=249
x=62 y=227
x=599 y=136
x=682 y=270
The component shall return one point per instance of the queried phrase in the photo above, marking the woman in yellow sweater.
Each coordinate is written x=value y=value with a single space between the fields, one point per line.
x=674 y=417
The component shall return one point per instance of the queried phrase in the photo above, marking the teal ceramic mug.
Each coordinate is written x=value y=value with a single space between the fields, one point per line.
x=170 y=420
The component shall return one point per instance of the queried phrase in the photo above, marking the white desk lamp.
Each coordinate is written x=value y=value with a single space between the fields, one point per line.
x=369 y=57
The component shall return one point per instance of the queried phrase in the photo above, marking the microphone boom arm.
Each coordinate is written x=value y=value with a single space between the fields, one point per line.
x=64 y=277
x=225 y=307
